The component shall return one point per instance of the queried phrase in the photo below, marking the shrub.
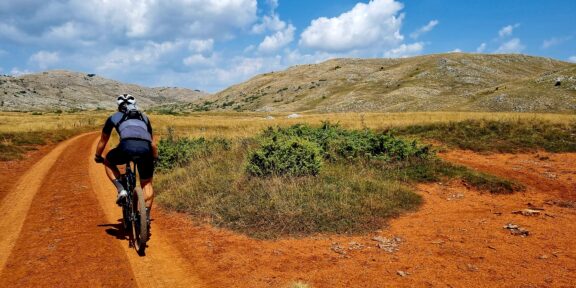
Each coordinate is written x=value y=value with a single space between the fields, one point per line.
x=338 y=143
x=292 y=156
x=344 y=198
x=176 y=152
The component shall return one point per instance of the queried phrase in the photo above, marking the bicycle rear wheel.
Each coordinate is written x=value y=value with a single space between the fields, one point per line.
x=140 y=226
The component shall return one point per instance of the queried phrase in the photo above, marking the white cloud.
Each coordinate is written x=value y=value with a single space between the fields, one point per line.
x=424 y=29
x=512 y=46
x=457 y=50
x=44 y=59
x=405 y=50
x=554 y=41
x=277 y=41
x=197 y=60
x=507 y=30
x=13 y=33
x=201 y=45
x=481 y=48
x=367 y=26
x=125 y=59
x=117 y=20
x=273 y=4
x=572 y=59
x=269 y=23
x=19 y=72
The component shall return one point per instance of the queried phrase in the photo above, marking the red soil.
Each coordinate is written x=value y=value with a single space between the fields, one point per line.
x=456 y=239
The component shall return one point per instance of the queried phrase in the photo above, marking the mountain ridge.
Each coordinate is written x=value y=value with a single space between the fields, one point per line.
x=435 y=82
x=67 y=90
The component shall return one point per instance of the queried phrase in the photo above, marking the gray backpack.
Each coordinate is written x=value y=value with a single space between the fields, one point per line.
x=133 y=125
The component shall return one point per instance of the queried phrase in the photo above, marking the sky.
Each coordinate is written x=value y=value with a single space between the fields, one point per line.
x=212 y=44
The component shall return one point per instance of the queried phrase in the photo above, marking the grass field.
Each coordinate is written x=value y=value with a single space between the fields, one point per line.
x=23 y=132
x=344 y=197
x=230 y=125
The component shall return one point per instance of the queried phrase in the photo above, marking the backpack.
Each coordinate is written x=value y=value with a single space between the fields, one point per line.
x=133 y=125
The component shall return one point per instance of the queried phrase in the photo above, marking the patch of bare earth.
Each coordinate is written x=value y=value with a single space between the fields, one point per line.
x=456 y=239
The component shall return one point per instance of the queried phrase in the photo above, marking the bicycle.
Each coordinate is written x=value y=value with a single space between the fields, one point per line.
x=134 y=217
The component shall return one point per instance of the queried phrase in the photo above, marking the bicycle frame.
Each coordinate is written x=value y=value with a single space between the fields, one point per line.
x=133 y=209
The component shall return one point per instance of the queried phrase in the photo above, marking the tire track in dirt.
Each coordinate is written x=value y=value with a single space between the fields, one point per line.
x=15 y=204
x=163 y=266
x=60 y=243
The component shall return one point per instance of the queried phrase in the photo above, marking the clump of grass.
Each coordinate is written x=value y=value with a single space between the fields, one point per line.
x=177 y=152
x=434 y=170
x=297 y=150
x=336 y=200
x=347 y=196
x=500 y=136
x=338 y=143
x=292 y=156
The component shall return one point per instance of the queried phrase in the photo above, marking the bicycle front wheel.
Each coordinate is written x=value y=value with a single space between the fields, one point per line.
x=140 y=225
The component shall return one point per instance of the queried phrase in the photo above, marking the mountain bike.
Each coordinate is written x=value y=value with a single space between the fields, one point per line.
x=134 y=217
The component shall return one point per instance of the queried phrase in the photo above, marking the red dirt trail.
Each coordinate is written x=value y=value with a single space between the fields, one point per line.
x=59 y=228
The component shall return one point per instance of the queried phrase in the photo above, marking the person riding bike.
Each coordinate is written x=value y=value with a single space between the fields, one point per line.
x=136 y=140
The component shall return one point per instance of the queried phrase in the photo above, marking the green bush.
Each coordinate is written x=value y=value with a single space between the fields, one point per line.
x=338 y=143
x=177 y=152
x=292 y=156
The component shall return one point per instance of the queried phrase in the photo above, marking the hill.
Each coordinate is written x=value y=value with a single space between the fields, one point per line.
x=64 y=90
x=441 y=82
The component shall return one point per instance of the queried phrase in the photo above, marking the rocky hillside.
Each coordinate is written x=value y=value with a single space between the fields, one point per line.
x=455 y=82
x=63 y=90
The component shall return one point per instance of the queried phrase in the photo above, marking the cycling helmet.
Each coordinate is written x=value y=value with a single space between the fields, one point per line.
x=124 y=100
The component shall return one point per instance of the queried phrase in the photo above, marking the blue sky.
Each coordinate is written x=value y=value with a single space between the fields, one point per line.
x=211 y=44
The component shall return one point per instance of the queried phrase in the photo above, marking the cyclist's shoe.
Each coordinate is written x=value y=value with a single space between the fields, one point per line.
x=121 y=197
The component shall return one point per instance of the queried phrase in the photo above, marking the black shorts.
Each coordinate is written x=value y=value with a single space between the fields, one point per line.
x=139 y=150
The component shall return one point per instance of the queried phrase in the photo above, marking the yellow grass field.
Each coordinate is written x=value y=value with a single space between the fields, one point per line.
x=233 y=125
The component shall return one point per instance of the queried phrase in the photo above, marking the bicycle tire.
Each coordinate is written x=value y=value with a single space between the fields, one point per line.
x=126 y=223
x=140 y=225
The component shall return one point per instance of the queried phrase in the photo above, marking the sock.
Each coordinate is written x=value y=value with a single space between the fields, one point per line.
x=118 y=185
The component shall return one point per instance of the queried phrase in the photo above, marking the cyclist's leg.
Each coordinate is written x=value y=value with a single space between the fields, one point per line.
x=113 y=158
x=146 y=170
x=148 y=191
x=145 y=162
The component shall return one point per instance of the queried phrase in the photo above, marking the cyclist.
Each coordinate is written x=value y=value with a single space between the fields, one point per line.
x=136 y=139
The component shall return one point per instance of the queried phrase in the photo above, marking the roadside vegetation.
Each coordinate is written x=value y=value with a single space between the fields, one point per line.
x=499 y=136
x=304 y=179
x=232 y=170
x=23 y=132
x=13 y=145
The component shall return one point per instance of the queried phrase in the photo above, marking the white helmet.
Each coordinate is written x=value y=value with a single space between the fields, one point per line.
x=124 y=100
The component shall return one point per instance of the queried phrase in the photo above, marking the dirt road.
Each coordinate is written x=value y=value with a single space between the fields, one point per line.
x=59 y=227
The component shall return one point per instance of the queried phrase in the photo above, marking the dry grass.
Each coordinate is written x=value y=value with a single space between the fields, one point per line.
x=14 y=122
x=242 y=125
x=354 y=193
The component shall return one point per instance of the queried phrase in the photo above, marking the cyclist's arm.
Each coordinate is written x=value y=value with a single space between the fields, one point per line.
x=154 y=145
x=105 y=136
x=102 y=144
